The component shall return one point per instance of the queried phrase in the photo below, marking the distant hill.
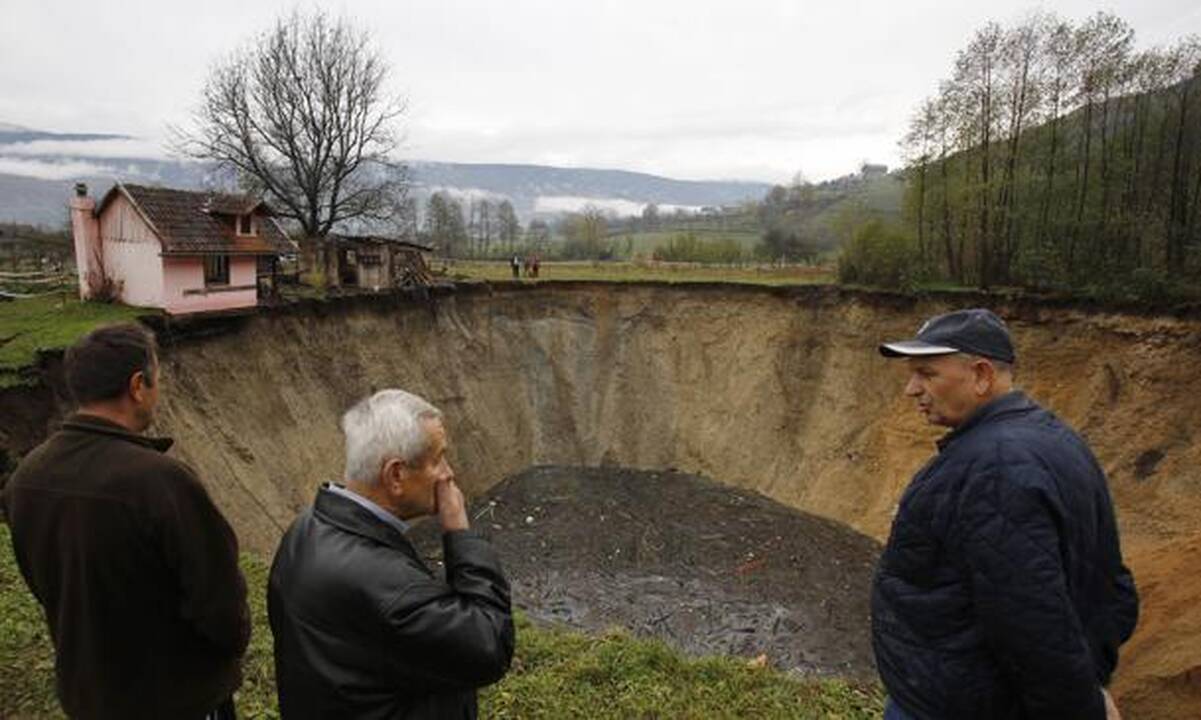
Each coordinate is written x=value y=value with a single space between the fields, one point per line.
x=826 y=212
x=10 y=134
x=35 y=185
x=529 y=182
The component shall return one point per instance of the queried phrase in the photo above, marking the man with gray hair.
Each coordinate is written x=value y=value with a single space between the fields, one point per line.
x=1001 y=594
x=362 y=627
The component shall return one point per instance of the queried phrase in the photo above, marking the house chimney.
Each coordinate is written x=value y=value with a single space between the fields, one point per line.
x=85 y=228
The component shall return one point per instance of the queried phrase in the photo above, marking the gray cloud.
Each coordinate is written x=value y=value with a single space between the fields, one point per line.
x=755 y=88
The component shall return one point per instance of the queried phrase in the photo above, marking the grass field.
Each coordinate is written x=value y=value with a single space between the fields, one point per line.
x=555 y=674
x=53 y=321
x=642 y=272
x=644 y=243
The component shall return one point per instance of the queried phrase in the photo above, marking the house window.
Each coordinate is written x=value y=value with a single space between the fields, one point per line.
x=216 y=269
x=245 y=225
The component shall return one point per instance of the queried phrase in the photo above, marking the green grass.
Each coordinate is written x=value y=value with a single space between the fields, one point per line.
x=555 y=674
x=26 y=656
x=643 y=272
x=644 y=243
x=44 y=323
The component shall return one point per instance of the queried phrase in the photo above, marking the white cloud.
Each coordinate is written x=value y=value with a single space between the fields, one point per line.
x=108 y=148
x=623 y=208
x=42 y=170
x=465 y=194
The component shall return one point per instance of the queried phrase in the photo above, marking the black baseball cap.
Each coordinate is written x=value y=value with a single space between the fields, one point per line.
x=976 y=331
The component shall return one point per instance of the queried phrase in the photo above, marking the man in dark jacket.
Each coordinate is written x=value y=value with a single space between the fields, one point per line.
x=135 y=567
x=362 y=628
x=1001 y=593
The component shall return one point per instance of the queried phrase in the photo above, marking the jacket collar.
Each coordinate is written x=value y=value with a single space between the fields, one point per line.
x=98 y=425
x=1011 y=402
x=354 y=518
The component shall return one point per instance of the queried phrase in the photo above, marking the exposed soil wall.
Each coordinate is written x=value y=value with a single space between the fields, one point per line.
x=777 y=390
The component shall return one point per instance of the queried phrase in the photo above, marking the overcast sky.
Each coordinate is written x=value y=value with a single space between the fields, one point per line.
x=704 y=89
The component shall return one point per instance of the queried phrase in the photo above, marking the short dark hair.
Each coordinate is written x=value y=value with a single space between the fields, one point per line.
x=98 y=366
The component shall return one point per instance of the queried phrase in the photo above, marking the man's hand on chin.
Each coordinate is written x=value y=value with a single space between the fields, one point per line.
x=452 y=511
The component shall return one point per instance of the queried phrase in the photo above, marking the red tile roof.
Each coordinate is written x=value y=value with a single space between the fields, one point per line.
x=188 y=222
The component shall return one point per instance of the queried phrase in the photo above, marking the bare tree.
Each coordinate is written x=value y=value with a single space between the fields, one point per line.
x=650 y=216
x=1059 y=49
x=444 y=226
x=917 y=146
x=1022 y=68
x=1186 y=64
x=485 y=225
x=976 y=80
x=510 y=226
x=1104 y=44
x=303 y=117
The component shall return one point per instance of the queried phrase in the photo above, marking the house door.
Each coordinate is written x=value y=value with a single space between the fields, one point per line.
x=348 y=273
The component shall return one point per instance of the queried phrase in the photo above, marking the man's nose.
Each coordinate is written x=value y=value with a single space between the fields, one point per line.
x=913 y=388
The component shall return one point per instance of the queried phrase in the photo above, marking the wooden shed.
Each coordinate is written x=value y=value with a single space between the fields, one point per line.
x=376 y=262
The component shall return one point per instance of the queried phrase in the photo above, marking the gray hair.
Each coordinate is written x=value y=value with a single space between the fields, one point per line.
x=1000 y=365
x=389 y=424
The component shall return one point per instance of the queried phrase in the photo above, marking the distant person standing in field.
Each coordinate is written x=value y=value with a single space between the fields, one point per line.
x=363 y=629
x=515 y=266
x=1001 y=593
x=537 y=263
x=135 y=567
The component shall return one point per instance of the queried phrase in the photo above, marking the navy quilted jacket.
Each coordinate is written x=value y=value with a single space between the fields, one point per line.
x=1002 y=592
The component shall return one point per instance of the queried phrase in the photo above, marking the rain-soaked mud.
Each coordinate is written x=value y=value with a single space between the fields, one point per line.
x=709 y=568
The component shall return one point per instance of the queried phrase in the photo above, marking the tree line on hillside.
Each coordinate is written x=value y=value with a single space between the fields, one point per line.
x=1055 y=156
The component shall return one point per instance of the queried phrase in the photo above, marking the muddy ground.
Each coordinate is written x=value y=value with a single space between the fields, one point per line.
x=708 y=568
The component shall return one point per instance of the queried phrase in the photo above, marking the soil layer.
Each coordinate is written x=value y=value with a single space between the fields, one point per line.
x=775 y=390
x=708 y=568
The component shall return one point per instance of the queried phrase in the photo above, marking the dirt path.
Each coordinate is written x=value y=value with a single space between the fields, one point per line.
x=708 y=568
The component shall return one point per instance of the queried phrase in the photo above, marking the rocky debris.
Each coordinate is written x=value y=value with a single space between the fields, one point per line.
x=708 y=568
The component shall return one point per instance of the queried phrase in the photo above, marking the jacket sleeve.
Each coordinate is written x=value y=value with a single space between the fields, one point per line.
x=459 y=634
x=200 y=548
x=1007 y=531
x=1119 y=622
x=1126 y=605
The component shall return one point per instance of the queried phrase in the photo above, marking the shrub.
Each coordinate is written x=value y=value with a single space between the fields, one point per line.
x=881 y=255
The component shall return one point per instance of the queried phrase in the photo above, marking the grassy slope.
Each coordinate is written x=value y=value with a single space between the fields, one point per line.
x=556 y=674
x=53 y=321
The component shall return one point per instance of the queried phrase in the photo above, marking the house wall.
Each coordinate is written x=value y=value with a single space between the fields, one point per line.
x=132 y=254
x=185 y=292
x=373 y=276
x=85 y=231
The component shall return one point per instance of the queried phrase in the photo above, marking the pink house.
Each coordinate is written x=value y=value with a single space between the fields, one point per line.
x=179 y=250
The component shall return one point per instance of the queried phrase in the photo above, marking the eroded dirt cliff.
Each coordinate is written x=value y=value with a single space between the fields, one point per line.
x=777 y=390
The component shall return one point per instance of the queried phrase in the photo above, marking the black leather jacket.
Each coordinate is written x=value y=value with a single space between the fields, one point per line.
x=363 y=629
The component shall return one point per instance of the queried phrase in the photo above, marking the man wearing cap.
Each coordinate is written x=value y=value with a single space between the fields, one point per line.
x=1001 y=593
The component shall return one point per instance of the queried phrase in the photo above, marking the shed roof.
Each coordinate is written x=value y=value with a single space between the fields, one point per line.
x=380 y=240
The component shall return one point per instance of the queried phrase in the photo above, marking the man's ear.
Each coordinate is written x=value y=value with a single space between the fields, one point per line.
x=137 y=386
x=985 y=376
x=393 y=476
